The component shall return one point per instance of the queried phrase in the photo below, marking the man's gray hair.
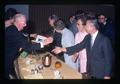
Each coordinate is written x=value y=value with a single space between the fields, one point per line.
x=95 y=23
x=59 y=25
x=18 y=17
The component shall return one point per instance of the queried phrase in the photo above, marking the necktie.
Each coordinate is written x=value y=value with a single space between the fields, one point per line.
x=91 y=41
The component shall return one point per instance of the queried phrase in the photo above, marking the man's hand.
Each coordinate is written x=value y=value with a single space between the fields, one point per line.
x=58 y=50
x=74 y=57
x=48 y=41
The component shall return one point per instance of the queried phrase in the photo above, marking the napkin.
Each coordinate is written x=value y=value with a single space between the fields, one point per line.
x=34 y=76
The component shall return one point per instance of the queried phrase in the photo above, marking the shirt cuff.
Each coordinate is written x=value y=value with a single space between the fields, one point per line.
x=41 y=44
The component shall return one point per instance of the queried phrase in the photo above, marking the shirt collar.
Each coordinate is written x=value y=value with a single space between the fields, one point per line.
x=94 y=35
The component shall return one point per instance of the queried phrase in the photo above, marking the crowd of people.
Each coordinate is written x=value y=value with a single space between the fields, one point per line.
x=86 y=43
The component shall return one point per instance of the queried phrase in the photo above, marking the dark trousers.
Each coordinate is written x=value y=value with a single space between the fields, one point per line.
x=87 y=76
x=9 y=68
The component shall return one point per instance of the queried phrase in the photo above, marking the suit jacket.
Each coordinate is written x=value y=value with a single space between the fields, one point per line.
x=108 y=30
x=99 y=57
x=13 y=41
x=56 y=36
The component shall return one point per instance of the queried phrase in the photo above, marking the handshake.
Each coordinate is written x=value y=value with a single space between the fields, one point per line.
x=44 y=40
x=47 y=41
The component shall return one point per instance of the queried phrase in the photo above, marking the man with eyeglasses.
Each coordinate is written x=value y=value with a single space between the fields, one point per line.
x=106 y=27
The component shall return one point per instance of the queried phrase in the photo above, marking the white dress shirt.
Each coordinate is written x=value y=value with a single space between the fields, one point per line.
x=93 y=37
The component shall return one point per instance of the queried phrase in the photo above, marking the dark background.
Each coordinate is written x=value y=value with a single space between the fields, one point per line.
x=38 y=14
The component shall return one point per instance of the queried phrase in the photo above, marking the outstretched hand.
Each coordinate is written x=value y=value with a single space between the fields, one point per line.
x=57 y=50
x=48 y=41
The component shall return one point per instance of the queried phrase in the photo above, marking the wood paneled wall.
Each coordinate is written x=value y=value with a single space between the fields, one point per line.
x=38 y=14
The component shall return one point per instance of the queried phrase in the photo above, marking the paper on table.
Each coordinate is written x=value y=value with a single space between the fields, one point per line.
x=40 y=38
x=57 y=74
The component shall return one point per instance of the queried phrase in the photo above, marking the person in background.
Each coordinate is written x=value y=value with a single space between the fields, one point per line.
x=66 y=41
x=56 y=36
x=100 y=55
x=106 y=27
x=72 y=25
x=14 y=40
x=81 y=56
x=72 y=22
x=9 y=16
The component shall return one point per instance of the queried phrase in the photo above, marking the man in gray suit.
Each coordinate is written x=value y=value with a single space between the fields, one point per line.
x=98 y=47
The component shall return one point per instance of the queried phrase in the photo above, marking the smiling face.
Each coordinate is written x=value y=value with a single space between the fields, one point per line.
x=20 y=21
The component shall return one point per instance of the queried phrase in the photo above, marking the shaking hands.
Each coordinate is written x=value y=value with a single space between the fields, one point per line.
x=47 y=41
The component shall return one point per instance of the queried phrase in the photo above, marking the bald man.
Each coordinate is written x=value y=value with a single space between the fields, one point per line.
x=14 y=40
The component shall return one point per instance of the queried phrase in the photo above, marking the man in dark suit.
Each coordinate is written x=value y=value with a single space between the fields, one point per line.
x=56 y=36
x=14 y=40
x=99 y=50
